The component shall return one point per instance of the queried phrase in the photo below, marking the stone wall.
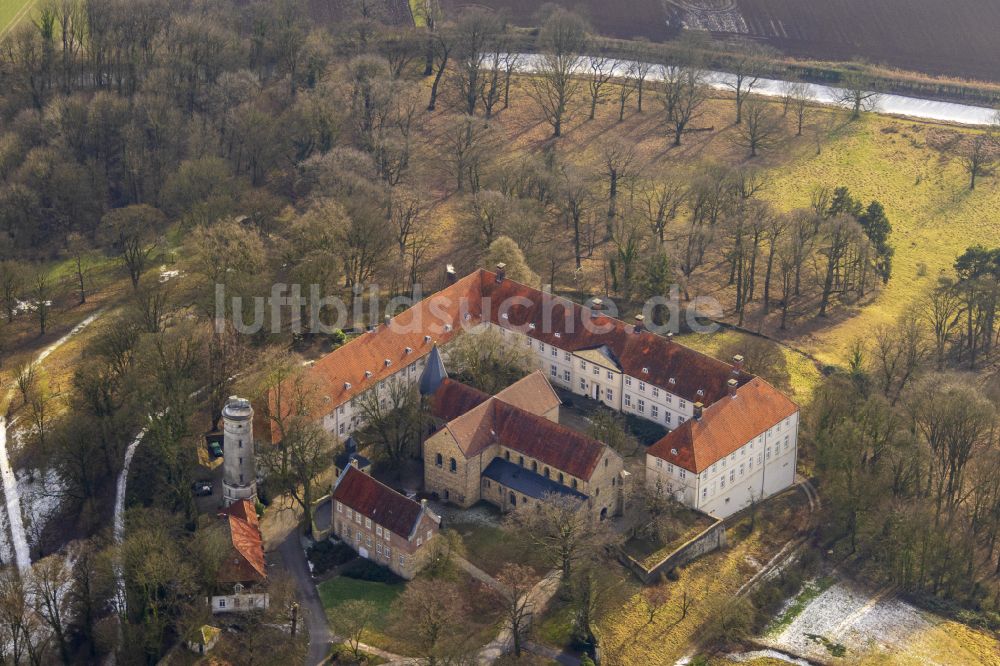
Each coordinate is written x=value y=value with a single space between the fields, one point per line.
x=711 y=539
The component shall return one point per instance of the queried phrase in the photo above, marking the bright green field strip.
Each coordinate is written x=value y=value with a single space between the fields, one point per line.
x=12 y=11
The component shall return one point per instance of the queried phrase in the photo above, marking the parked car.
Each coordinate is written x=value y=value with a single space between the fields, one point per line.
x=202 y=488
x=215 y=449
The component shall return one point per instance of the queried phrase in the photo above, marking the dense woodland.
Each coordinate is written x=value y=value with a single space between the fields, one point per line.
x=245 y=144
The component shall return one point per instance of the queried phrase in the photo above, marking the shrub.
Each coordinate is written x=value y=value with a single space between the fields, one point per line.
x=326 y=555
x=362 y=569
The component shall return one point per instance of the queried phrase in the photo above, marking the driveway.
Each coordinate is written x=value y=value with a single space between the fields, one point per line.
x=309 y=603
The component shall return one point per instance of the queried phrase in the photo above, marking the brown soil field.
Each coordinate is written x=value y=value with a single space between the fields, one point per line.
x=943 y=37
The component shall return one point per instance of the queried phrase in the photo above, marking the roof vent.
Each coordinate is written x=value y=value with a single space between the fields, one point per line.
x=501 y=272
x=639 y=323
x=408 y=350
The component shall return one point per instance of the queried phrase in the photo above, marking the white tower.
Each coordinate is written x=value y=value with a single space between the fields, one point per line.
x=239 y=472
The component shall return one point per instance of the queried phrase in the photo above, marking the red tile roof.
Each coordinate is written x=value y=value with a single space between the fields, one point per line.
x=377 y=501
x=453 y=398
x=724 y=427
x=497 y=422
x=246 y=563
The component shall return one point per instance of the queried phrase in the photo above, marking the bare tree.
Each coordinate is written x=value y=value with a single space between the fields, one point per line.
x=683 y=92
x=555 y=86
x=294 y=463
x=475 y=34
x=660 y=202
x=941 y=312
x=393 y=420
x=49 y=587
x=617 y=157
x=562 y=527
x=516 y=582
x=856 y=94
x=978 y=157
x=429 y=613
x=795 y=98
x=352 y=619
x=762 y=126
x=132 y=233
x=600 y=70
x=466 y=145
x=745 y=70
x=489 y=361
x=576 y=198
x=12 y=279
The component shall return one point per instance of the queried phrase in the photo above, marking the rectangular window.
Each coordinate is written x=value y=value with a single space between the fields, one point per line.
x=341 y=428
x=670 y=399
x=670 y=468
x=566 y=375
x=378 y=548
x=704 y=493
x=680 y=419
x=628 y=381
x=683 y=472
x=659 y=463
x=642 y=386
x=732 y=476
x=555 y=352
x=368 y=523
x=583 y=384
x=378 y=530
x=610 y=395
x=654 y=411
x=683 y=404
x=583 y=365
x=554 y=371
x=428 y=535
x=722 y=482
x=541 y=346
x=642 y=406
x=340 y=508
x=565 y=356
x=656 y=392
x=349 y=513
x=597 y=370
x=357 y=517
x=668 y=417
x=611 y=375
x=628 y=399
x=402 y=560
x=420 y=541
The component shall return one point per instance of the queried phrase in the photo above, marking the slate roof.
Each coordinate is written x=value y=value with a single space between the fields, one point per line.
x=525 y=481
x=246 y=562
x=377 y=501
x=724 y=427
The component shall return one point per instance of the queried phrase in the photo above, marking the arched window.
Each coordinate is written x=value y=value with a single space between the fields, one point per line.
x=520 y=461
x=452 y=465
x=546 y=472
x=534 y=466
x=574 y=484
x=561 y=477
x=438 y=460
x=506 y=454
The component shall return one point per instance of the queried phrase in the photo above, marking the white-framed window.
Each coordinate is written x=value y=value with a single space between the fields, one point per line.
x=378 y=548
x=704 y=493
x=349 y=513
x=742 y=470
x=683 y=472
x=680 y=419
x=656 y=392
x=340 y=508
x=750 y=464
x=368 y=523
x=659 y=463
x=566 y=375
x=378 y=530
x=611 y=375
x=554 y=371
x=642 y=386
x=732 y=476
x=668 y=417
x=429 y=533
x=357 y=517
x=597 y=370
x=609 y=394
x=683 y=404
x=340 y=428
x=654 y=411
x=583 y=365
x=583 y=384
x=565 y=356
x=628 y=399
x=670 y=399
x=670 y=468
x=541 y=346
x=642 y=406
x=722 y=482
x=628 y=381
x=387 y=551
x=402 y=560
x=555 y=352
x=420 y=541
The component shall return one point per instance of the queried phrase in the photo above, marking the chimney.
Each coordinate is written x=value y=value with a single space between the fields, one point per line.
x=449 y=274
x=639 y=321
x=737 y=364
x=732 y=384
x=423 y=504
x=354 y=463
x=596 y=305
x=387 y=319
x=501 y=272
x=698 y=407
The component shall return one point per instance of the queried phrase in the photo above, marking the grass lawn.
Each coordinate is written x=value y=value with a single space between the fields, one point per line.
x=339 y=590
x=490 y=547
x=12 y=11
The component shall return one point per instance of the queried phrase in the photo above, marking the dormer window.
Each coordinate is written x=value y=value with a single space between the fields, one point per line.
x=368 y=373
x=673 y=381
x=468 y=316
x=645 y=371
x=347 y=386
x=505 y=316
x=673 y=452
x=447 y=328
x=408 y=350
x=701 y=392
x=427 y=339
x=558 y=335
x=531 y=326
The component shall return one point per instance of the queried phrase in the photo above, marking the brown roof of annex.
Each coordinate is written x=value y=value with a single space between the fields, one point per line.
x=373 y=499
x=724 y=427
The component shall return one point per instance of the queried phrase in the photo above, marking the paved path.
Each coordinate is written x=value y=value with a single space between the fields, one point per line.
x=313 y=615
